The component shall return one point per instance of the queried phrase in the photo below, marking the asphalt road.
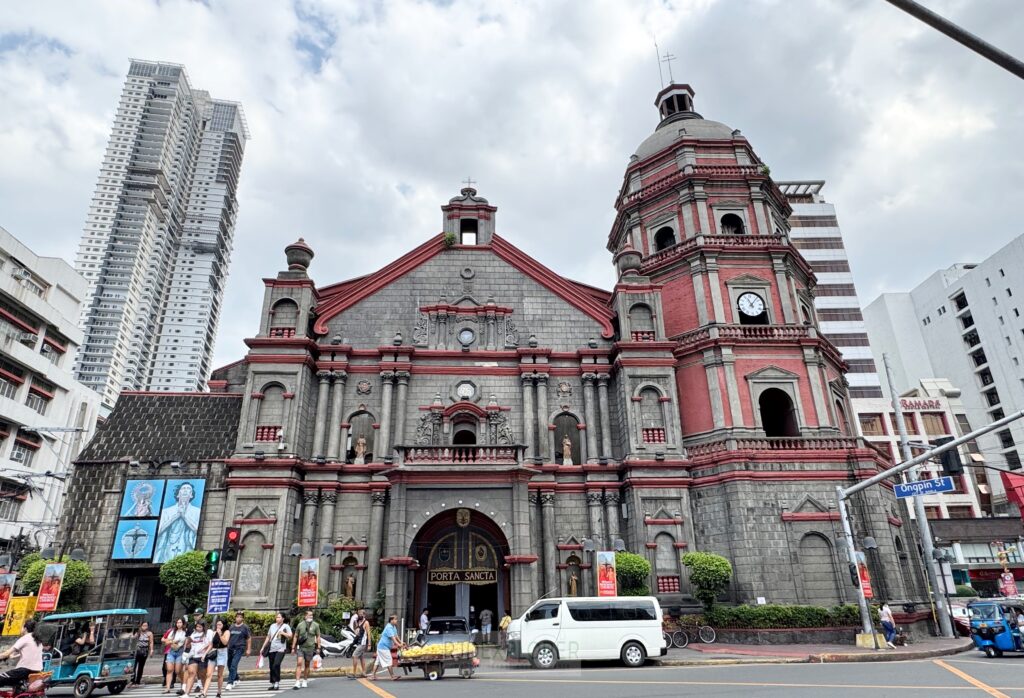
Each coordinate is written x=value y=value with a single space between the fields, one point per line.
x=966 y=674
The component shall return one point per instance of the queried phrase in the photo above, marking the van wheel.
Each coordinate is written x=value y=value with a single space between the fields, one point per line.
x=83 y=686
x=545 y=656
x=633 y=654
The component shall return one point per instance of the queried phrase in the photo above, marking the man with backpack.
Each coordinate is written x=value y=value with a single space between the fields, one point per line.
x=305 y=644
x=362 y=644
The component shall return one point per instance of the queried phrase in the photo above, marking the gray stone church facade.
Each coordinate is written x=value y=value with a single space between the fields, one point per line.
x=461 y=427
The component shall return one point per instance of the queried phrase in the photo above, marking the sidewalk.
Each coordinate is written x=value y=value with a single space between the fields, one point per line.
x=694 y=655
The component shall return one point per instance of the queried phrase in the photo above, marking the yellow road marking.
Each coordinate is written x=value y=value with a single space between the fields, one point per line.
x=372 y=685
x=971 y=680
x=753 y=684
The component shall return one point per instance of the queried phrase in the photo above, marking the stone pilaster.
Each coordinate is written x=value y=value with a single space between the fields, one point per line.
x=374 y=554
x=611 y=517
x=309 y=510
x=327 y=502
x=591 y=416
x=383 y=445
x=402 y=378
x=529 y=426
x=606 y=422
x=543 y=437
x=547 y=505
x=321 y=420
x=594 y=501
x=337 y=415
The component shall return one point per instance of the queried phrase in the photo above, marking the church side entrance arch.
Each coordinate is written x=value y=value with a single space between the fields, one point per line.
x=462 y=566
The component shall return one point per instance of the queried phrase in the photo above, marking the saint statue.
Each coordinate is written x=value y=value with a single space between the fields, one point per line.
x=350 y=586
x=573 y=583
x=360 y=450
x=179 y=525
x=566 y=450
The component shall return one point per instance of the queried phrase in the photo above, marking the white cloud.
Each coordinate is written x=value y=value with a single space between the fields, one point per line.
x=366 y=116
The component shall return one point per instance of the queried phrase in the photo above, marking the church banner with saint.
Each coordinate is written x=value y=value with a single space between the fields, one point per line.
x=49 y=588
x=607 y=584
x=309 y=581
x=6 y=590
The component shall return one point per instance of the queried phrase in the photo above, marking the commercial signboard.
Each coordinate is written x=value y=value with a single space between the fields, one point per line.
x=309 y=581
x=1007 y=584
x=19 y=609
x=607 y=584
x=49 y=588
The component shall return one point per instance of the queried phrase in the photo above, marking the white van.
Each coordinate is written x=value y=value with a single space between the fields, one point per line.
x=584 y=628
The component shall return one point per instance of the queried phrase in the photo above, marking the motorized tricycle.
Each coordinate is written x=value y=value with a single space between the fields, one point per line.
x=93 y=649
x=994 y=625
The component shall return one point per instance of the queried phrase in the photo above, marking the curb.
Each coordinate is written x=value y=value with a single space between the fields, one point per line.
x=888 y=657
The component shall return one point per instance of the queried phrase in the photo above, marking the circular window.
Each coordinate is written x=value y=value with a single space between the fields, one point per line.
x=466 y=336
x=465 y=390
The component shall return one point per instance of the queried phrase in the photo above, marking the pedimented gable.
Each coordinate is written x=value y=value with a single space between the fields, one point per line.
x=748 y=280
x=809 y=504
x=769 y=373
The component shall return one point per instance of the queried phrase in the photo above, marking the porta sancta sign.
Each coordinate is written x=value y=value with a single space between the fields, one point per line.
x=444 y=577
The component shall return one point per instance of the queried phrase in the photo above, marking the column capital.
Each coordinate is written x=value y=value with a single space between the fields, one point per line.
x=547 y=499
x=542 y=378
x=340 y=376
x=594 y=499
x=602 y=380
x=378 y=498
x=329 y=497
x=526 y=379
x=310 y=497
x=402 y=377
x=589 y=377
x=534 y=499
x=387 y=376
x=323 y=376
x=612 y=498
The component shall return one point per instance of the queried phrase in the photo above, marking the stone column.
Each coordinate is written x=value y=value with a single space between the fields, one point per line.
x=309 y=501
x=606 y=421
x=403 y=388
x=594 y=501
x=529 y=427
x=611 y=517
x=590 y=416
x=321 y=420
x=382 y=449
x=327 y=502
x=337 y=415
x=374 y=553
x=547 y=505
x=543 y=438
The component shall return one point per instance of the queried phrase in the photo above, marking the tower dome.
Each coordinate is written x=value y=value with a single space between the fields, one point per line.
x=679 y=120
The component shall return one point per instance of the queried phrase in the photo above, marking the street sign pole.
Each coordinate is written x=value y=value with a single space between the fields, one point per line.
x=851 y=554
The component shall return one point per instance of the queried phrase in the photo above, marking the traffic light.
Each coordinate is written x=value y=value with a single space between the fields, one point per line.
x=213 y=563
x=951 y=464
x=232 y=539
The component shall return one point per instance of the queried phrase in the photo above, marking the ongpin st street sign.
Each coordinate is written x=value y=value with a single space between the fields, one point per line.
x=922 y=487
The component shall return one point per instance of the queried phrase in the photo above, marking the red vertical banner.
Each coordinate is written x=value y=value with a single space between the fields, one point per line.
x=6 y=589
x=1007 y=584
x=864 y=576
x=49 y=588
x=607 y=584
x=309 y=581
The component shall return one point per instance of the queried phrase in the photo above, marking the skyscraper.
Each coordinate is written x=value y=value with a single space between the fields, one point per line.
x=158 y=237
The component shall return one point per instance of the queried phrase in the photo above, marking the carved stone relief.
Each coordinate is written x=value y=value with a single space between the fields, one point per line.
x=420 y=332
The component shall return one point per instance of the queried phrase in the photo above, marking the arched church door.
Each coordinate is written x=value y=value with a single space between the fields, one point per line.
x=462 y=566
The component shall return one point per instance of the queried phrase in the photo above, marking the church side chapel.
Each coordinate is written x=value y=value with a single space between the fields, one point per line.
x=464 y=428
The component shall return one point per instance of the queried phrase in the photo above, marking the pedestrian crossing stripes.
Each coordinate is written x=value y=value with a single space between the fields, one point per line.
x=245 y=689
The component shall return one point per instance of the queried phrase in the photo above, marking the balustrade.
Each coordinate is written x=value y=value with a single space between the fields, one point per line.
x=461 y=455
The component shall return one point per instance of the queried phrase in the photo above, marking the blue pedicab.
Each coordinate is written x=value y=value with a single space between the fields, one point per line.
x=994 y=625
x=105 y=659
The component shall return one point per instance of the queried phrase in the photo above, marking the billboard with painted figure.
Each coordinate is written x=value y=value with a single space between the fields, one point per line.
x=178 y=529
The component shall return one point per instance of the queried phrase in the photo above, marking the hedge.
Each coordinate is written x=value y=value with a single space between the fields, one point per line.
x=771 y=616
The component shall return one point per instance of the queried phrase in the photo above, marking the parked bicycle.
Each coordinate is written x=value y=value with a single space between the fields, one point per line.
x=679 y=634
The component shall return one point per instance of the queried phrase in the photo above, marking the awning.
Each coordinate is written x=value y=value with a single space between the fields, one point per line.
x=1014 y=486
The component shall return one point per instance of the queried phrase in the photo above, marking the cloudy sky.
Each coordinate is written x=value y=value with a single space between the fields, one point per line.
x=366 y=116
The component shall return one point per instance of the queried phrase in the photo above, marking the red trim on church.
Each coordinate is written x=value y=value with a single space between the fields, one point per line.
x=810 y=516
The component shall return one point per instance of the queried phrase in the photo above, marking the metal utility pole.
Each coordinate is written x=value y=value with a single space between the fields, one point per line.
x=961 y=35
x=924 y=528
x=851 y=554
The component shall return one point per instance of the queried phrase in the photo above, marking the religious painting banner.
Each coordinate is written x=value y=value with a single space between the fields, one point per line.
x=179 y=519
x=607 y=584
x=142 y=499
x=134 y=540
x=446 y=577
x=19 y=609
x=309 y=581
x=49 y=588
x=6 y=589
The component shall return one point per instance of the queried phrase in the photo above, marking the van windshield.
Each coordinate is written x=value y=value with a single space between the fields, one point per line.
x=595 y=611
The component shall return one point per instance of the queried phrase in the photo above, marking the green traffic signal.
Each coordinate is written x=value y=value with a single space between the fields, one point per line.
x=212 y=562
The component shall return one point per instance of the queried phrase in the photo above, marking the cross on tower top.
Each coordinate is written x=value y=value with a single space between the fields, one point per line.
x=667 y=59
x=469 y=182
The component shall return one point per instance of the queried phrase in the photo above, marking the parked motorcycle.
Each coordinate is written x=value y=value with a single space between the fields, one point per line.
x=343 y=646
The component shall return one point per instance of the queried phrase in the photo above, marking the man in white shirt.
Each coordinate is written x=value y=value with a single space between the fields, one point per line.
x=424 y=623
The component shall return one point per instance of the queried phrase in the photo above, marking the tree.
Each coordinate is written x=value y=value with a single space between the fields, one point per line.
x=185 y=578
x=709 y=575
x=631 y=573
x=76 y=579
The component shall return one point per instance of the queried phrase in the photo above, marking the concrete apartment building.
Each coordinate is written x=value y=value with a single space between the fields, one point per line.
x=40 y=299
x=964 y=323
x=158 y=236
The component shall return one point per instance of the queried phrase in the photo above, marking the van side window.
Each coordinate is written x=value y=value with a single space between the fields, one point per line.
x=545 y=610
x=612 y=611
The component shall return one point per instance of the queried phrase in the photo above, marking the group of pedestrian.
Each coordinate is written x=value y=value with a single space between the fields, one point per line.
x=194 y=653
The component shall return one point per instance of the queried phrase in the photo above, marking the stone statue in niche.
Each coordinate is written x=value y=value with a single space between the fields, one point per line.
x=350 y=586
x=360 y=451
x=566 y=450
x=573 y=584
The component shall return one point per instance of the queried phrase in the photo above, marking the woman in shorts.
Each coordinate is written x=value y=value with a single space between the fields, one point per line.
x=197 y=645
x=174 y=644
x=221 y=638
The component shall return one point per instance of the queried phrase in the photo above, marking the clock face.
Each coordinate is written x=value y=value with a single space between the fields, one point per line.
x=750 y=304
x=465 y=390
x=467 y=336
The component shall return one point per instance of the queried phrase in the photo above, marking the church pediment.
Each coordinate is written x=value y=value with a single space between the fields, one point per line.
x=772 y=373
x=748 y=280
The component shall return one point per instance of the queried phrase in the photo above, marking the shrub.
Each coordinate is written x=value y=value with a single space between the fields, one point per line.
x=709 y=576
x=186 y=580
x=76 y=579
x=965 y=590
x=258 y=621
x=631 y=574
x=769 y=616
x=332 y=617
x=449 y=239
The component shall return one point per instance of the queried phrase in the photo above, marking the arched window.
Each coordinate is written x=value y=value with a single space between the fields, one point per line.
x=666 y=564
x=566 y=425
x=732 y=225
x=270 y=419
x=284 y=318
x=361 y=425
x=652 y=416
x=464 y=430
x=250 y=564
x=467 y=231
x=664 y=238
x=844 y=423
x=641 y=323
x=818 y=571
x=778 y=415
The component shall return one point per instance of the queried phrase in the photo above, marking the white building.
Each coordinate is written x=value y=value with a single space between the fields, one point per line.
x=815 y=232
x=964 y=323
x=158 y=237
x=41 y=404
